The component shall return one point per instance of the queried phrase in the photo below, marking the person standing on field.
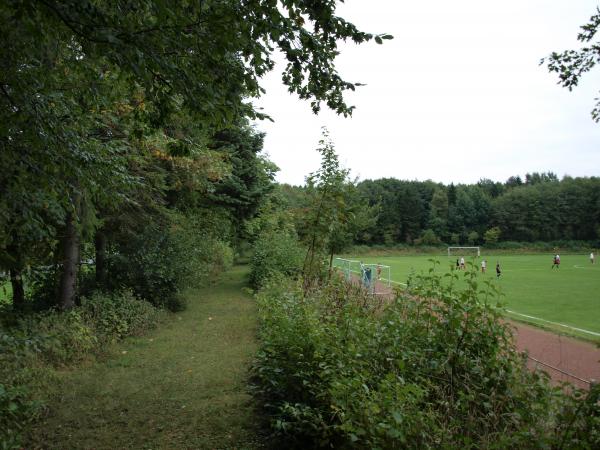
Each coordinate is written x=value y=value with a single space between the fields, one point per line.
x=556 y=262
x=363 y=275
x=378 y=272
x=462 y=263
x=498 y=271
x=592 y=258
x=483 y=265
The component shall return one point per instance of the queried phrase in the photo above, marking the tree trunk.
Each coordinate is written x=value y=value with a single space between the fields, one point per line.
x=100 y=243
x=18 y=292
x=70 y=264
x=330 y=264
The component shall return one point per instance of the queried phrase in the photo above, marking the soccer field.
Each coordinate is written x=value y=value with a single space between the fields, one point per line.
x=569 y=295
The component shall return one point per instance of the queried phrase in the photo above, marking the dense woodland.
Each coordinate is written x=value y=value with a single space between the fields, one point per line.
x=130 y=173
x=539 y=207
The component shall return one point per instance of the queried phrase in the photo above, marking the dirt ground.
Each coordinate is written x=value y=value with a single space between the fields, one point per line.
x=580 y=360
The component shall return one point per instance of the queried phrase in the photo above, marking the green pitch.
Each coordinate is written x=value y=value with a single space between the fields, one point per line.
x=569 y=295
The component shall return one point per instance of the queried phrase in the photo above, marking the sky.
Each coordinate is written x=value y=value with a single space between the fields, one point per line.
x=456 y=96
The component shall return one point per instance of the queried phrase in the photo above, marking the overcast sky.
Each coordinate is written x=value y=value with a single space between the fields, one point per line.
x=458 y=95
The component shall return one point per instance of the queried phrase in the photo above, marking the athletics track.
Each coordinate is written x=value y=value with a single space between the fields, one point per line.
x=563 y=358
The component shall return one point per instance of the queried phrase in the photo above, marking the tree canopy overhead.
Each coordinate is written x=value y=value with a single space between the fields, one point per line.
x=570 y=65
x=211 y=52
x=106 y=105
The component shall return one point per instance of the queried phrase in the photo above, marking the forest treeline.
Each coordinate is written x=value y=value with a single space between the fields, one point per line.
x=539 y=207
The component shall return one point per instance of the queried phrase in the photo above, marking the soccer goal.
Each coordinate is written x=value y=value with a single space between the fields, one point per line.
x=375 y=278
x=462 y=251
x=347 y=267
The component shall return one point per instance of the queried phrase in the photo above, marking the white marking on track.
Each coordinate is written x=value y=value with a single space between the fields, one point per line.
x=581 y=330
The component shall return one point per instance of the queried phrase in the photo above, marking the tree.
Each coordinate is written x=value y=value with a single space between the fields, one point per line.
x=491 y=188
x=428 y=237
x=87 y=84
x=251 y=178
x=438 y=215
x=544 y=177
x=472 y=237
x=335 y=212
x=570 y=65
x=384 y=194
x=513 y=181
x=492 y=235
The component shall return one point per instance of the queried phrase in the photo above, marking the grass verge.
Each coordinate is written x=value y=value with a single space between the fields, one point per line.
x=183 y=386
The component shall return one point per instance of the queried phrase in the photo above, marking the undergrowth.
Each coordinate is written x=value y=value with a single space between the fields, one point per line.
x=435 y=368
x=32 y=345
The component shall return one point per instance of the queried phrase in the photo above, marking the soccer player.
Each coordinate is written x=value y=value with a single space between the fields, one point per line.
x=462 y=263
x=556 y=262
x=483 y=265
x=378 y=271
x=592 y=258
x=498 y=270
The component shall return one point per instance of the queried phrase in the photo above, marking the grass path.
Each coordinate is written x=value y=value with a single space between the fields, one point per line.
x=182 y=387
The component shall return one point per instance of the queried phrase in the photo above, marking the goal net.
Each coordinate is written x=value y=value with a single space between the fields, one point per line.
x=463 y=251
x=375 y=278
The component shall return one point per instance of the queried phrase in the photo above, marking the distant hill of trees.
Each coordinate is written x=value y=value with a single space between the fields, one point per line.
x=539 y=207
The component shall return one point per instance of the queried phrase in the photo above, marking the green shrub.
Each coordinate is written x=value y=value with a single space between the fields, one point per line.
x=17 y=410
x=164 y=259
x=30 y=345
x=63 y=337
x=117 y=315
x=428 y=237
x=275 y=252
x=434 y=369
x=17 y=370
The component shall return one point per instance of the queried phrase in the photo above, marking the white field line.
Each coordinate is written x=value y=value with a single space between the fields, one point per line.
x=585 y=268
x=581 y=330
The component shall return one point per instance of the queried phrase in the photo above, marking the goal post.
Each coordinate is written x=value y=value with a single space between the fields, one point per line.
x=453 y=251
x=375 y=278
x=347 y=267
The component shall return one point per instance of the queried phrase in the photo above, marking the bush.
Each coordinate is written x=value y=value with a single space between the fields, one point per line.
x=62 y=337
x=428 y=237
x=17 y=410
x=434 y=369
x=32 y=344
x=275 y=252
x=117 y=315
x=163 y=260
x=492 y=235
x=17 y=407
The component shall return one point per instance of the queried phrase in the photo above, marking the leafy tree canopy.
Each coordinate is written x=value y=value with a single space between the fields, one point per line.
x=570 y=65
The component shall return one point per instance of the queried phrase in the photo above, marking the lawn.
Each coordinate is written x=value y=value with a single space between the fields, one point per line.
x=183 y=386
x=5 y=292
x=569 y=295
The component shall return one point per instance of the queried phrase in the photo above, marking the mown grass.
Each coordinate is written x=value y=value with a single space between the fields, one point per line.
x=569 y=295
x=183 y=386
x=5 y=292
